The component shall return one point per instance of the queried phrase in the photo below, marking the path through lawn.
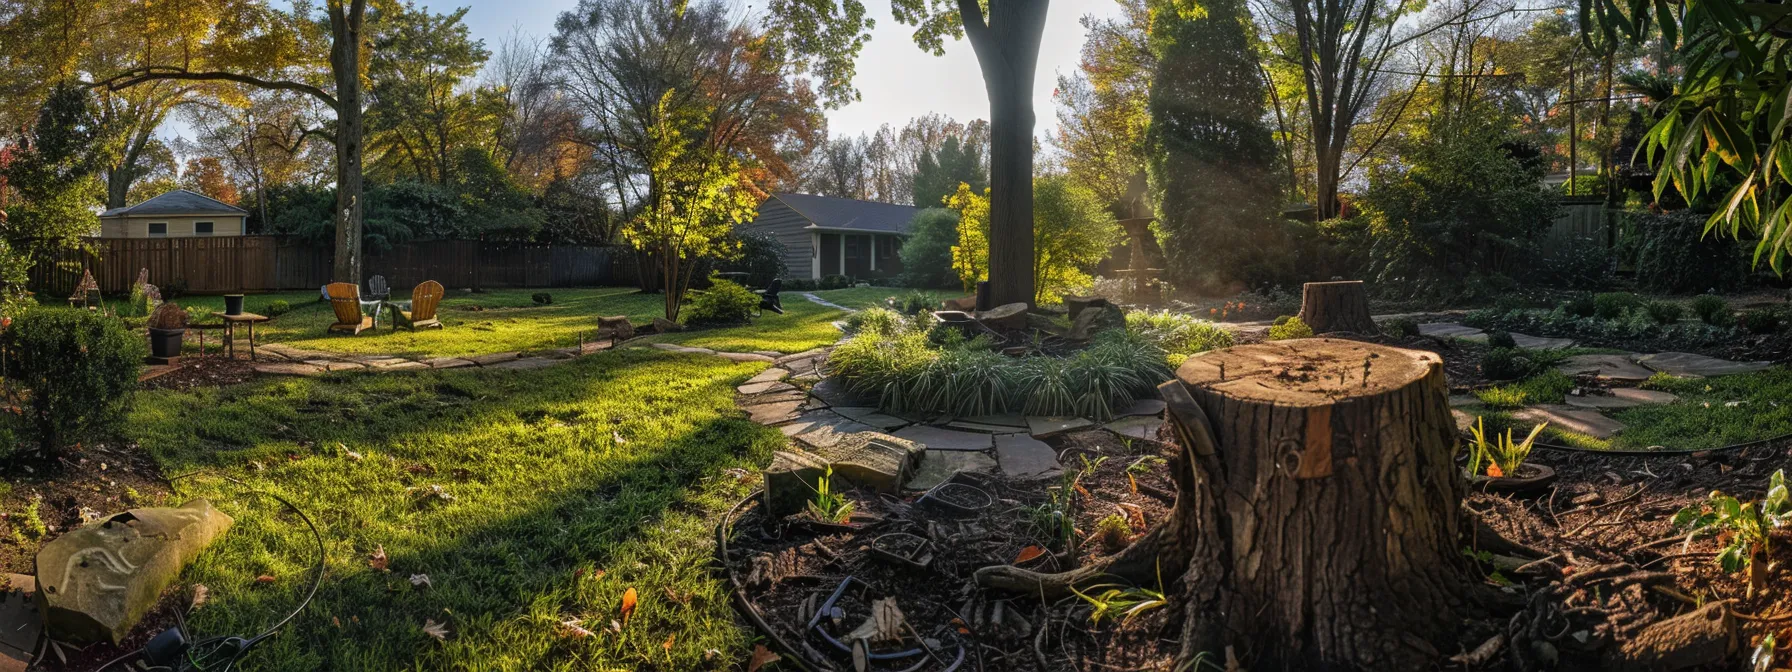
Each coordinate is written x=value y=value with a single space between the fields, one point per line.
x=527 y=498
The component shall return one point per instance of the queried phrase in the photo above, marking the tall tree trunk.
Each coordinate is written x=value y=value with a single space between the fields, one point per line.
x=345 y=62
x=120 y=177
x=1007 y=47
x=1317 y=517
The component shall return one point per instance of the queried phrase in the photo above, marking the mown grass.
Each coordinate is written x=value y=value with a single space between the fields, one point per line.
x=564 y=488
x=508 y=320
x=1711 y=412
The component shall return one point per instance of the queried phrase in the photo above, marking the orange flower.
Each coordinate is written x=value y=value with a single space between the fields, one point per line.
x=1495 y=471
x=1213 y=311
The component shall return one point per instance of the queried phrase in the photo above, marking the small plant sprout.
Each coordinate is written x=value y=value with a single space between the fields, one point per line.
x=1746 y=528
x=828 y=506
x=1502 y=456
x=1109 y=600
x=1112 y=533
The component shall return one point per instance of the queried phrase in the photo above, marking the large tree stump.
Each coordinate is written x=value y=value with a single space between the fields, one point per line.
x=1317 y=514
x=1336 y=306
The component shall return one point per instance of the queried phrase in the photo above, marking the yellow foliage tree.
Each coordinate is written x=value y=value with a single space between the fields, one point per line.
x=970 y=257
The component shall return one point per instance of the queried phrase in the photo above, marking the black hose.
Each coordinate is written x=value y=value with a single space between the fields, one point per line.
x=791 y=653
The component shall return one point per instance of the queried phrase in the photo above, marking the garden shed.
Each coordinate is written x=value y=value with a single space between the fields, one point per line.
x=176 y=214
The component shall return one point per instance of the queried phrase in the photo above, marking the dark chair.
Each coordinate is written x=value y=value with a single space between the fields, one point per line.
x=377 y=290
x=768 y=297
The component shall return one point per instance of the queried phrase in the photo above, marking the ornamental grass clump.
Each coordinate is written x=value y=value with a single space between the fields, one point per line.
x=1177 y=333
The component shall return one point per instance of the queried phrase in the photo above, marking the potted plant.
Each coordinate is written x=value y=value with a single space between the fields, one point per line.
x=166 y=328
x=1500 y=465
x=233 y=304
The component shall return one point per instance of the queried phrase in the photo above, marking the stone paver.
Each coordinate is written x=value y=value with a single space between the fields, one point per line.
x=762 y=388
x=1540 y=342
x=969 y=426
x=331 y=365
x=1605 y=367
x=1645 y=396
x=528 y=363
x=775 y=412
x=770 y=375
x=743 y=357
x=1025 y=457
x=1570 y=419
x=941 y=466
x=494 y=358
x=1449 y=330
x=1138 y=428
x=1040 y=426
x=407 y=366
x=382 y=362
x=819 y=430
x=448 y=363
x=1143 y=407
x=289 y=369
x=1622 y=397
x=833 y=392
x=806 y=354
x=936 y=438
x=1011 y=420
x=872 y=460
x=871 y=416
x=1462 y=400
x=1686 y=364
x=1463 y=419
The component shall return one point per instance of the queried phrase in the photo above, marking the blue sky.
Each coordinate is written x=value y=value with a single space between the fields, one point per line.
x=897 y=79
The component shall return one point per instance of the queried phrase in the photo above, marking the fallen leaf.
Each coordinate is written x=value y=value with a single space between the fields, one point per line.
x=1494 y=471
x=1028 y=553
x=434 y=629
x=628 y=604
x=265 y=578
x=614 y=626
x=200 y=595
x=336 y=621
x=597 y=574
x=353 y=456
x=421 y=580
x=682 y=600
x=761 y=657
x=668 y=644
x=571 y=629
x=378 y=560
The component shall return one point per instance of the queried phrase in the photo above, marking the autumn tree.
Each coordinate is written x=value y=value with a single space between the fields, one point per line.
x=1072 y=231
x=1103 y=110
x=698 y=197
x=207 y=175
x=970 y=256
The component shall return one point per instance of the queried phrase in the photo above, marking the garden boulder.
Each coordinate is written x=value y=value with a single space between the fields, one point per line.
x=615 y=328
x=96 y=581
x=790 y=481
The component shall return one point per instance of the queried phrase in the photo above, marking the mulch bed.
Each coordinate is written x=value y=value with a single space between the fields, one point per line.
x=204 y=371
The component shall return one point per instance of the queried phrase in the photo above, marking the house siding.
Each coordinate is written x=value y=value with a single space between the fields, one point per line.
x=790 y=228
x=179 y=226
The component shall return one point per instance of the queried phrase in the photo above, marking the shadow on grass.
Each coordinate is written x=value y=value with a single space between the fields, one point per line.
x=527 y=498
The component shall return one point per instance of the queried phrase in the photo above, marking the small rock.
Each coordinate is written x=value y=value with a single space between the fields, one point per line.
x=1025 y=457
x=98 y=580
x=665 y=326
x=1040 y=426
x=790 y=481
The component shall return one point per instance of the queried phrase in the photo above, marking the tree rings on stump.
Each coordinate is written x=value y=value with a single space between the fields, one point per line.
x=1336 y=306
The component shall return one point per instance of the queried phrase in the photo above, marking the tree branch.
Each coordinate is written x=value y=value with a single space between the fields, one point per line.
x=135 y=76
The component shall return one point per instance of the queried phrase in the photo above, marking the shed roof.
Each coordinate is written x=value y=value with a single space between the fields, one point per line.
x=177 y=202
x=828 y=212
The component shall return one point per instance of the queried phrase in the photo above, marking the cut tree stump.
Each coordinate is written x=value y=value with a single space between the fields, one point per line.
x=1336 y=306
x=1317 y=518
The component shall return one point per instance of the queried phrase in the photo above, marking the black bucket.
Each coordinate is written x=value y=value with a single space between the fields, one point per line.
x=165 y=343
x=233 y=304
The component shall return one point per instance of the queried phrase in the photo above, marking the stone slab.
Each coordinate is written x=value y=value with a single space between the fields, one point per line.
x=864 y=414
x=941 y=466
x=1449 y=330
x=763 y=388
x=1013 y=420
x=289 y=369
x=1605 y=367
x=806 y=354
x=98 y=580
x=494 y=358
x=1137 y=428
x=822 y=430
x=1686 y=364
x=834 y=392
x=1541 y=342
x=1041 y=426
x=770 y=375
x=1600 y=402
x=790 y=481
x=407 y=366
x=938 y=438
x=1025 y=457
x=21 y=622
x=1463 y=419
x=331 y=365
x=1464 y=400
x=879 y=462
x=774 y=413
x=528 y=363
x=448 y=363
x=1570 y=419
x=1143 y=407
x=968 y=426
x=382 y=362
x=1643 y=396
x=743 y=357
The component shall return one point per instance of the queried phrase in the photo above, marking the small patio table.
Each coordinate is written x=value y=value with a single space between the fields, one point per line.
x=230 y=322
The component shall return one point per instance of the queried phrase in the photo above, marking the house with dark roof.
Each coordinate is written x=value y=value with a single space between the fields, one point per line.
x=176 y=214
x=824 y=236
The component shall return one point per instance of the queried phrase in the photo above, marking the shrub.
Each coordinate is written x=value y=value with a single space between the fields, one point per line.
x=1664 y=312
x=835 y=282
x=1500 y=338
x=1761 y=320
x=1712 y=310
x=202 y=316
x=927 y=254
x=1673 y=254
x=799 y=285
x=1400 y=327
x=542 y=298
x=277 y=308
x=168 y=316
x=761 y=258
x=1613 y=305
x=876 y=321
x=80 y=367
x=1178 y=333
x=1580 y=306
x=1293 y=327
x=915 y=302
x=1506 y=364
x=724 y=302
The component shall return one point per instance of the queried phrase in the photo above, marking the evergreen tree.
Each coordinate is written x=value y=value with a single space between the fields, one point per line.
x=937 y=175
x=1212 y=159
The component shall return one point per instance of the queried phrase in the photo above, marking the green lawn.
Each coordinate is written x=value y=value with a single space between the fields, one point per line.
x=560 y=488
x=1711 y=412
x=507 y=320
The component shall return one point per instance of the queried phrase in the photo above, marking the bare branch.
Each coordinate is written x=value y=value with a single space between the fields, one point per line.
x=153 y=73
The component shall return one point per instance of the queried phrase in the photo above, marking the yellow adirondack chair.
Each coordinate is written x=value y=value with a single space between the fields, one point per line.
x=420 y=311
x=345 y=299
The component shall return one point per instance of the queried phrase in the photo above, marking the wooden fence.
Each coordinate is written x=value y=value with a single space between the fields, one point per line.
x=273 y=263
x=1580 y=221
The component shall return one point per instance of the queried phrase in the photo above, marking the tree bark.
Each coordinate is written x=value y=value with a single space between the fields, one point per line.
x=345 y=64
x=1007 y=47
x=1336 y=306
x=1317 y=512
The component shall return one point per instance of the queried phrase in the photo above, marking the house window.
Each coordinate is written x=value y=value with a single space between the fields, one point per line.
x=158 y=229
x=202 y=228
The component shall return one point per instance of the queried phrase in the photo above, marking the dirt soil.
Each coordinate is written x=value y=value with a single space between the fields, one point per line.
x=204 y=371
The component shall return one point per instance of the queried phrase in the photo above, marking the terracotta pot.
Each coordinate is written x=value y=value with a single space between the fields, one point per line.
x=1530 y=478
